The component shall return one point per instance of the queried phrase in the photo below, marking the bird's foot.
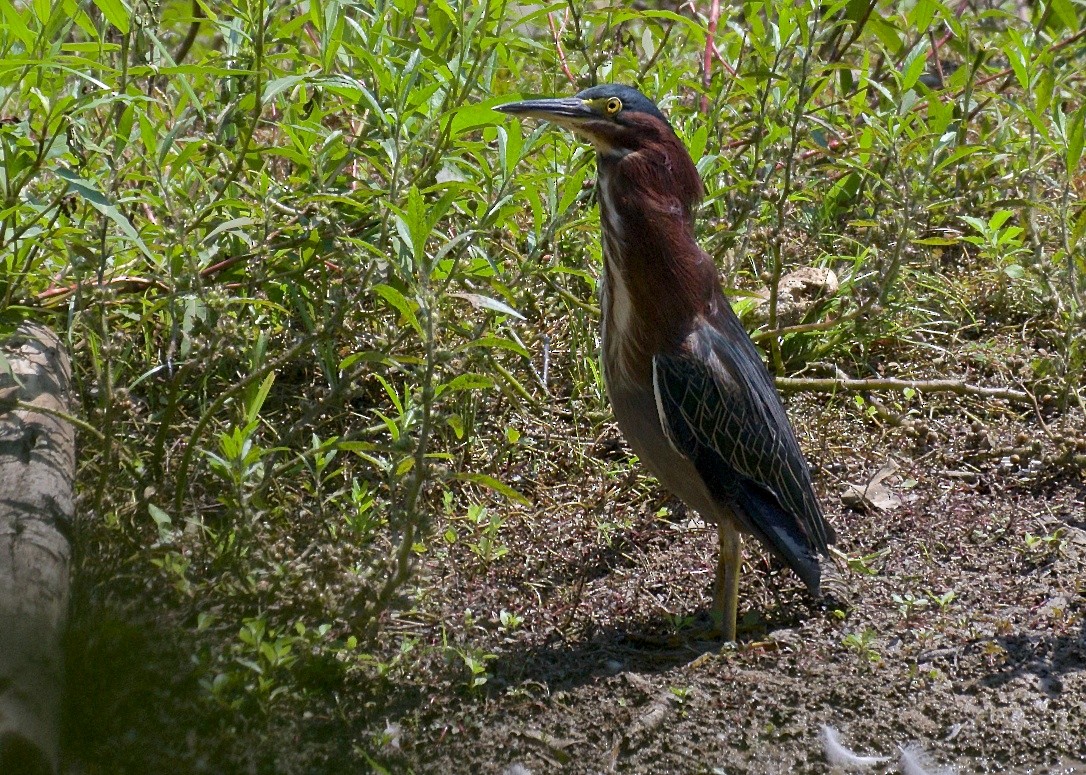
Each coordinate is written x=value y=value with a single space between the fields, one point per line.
x=701 y=631
x=750 y=623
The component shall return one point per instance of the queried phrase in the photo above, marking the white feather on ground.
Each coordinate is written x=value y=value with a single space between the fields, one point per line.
x=914 y=761
x=839 y=756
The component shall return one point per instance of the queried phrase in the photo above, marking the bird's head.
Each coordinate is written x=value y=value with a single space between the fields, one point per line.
x=617 y=120
x=629 y=134
x=648 y=189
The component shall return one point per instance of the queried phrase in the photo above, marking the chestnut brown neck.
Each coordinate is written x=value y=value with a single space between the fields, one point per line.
x=657 y=277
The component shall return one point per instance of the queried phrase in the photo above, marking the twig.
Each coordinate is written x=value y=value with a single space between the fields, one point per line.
x=647 y=66
x=857 y=28
x=122 y=284
x=558 y=46
x=131 y=284
x=934 y=56
x=8 y=404
x=190 y=37
x=724 y=62
x=831 y=145
x=707 y=59
x=831 y=385
x=804 y=328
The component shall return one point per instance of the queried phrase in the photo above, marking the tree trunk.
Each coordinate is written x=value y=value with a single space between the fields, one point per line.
x=37 y=470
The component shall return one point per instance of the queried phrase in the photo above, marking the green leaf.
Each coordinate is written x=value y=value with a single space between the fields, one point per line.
x=1016 y=57
x=572 y=185
x=117 y=13
x=886 y=32
x=277 y=86
x=856 y=10
x=922 y=14
x=1014 y=271
x=500 y=342
x=368 y=356
x=234 y=224
x=415 y=224
x=471 y=381
x=257 y=401
x=493 y=484
x=404 y=466
x=979 y=224
x=1078 y=230
x=485 y=302
x=998 y=219
x=935 y=241
x=15 y=24
x=162 y=520
x=1064 y=10
x=914 y=65
x=476 y=116
x=957 y=155
x=1076 y=133
x=102 y=204
x=393 y=396
x=842 y=193
x=363 y=450
x=616 y=15
x=697 y=141
x=400 y=303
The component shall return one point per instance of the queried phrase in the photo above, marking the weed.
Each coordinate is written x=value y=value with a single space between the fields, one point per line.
x=1039 y=547
x=865 y=564
x=944 y=600
x=681 y=622
x=862 y=643
x=474 y=660
x=510 y=621
x=908 y=604
x=482 y=533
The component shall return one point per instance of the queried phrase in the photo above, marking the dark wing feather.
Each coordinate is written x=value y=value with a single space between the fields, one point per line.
x=720 y=409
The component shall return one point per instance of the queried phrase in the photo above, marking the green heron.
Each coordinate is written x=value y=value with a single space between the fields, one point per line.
x=688 y=388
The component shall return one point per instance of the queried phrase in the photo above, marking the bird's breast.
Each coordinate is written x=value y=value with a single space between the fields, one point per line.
x=621 y=338
x=618 y=324
x=652 y=281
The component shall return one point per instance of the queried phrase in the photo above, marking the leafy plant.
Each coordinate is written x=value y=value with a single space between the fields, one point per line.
x=908 y=604
x=863 y=644
x=1041 y=546
x=944 y=600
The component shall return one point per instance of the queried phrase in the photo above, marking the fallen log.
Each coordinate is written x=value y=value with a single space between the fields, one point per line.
x=37 y=471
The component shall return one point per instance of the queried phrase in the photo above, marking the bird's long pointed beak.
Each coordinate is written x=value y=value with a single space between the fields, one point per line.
x=567 y=111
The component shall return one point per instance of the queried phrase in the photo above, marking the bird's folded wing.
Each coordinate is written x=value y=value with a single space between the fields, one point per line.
x=719 y=408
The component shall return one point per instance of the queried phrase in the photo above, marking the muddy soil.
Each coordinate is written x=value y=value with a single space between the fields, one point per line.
x=956 y=625
x=567 y=636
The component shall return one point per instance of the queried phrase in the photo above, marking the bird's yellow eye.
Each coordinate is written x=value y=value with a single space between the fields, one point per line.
x=614 y=105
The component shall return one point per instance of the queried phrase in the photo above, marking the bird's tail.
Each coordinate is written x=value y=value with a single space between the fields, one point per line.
x=781 y=533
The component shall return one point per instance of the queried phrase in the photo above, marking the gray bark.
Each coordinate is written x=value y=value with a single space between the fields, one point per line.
x=37 y=470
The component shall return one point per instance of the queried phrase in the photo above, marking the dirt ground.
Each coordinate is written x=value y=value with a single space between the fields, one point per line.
x=956 y=628
x=562 y=636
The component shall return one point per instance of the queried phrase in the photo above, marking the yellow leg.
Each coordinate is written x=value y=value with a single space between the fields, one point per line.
x=726 y=587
